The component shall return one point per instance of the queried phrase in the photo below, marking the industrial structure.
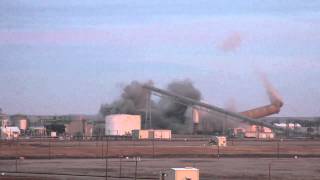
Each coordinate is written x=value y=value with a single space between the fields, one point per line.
x=9 y=132
x=79 y=128
x=222 y=114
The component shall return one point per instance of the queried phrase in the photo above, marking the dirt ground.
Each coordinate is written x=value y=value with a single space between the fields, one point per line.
x=98 y=149
x=148 y=168
x=241 y=159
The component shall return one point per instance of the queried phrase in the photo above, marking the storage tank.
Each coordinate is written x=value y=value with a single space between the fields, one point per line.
x=23 y=124
x=195 y=119
x=122 y=124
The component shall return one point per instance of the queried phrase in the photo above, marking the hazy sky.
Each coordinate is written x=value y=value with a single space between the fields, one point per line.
x=60 y=57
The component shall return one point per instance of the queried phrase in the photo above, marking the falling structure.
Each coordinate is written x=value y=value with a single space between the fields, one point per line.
x=222 y=113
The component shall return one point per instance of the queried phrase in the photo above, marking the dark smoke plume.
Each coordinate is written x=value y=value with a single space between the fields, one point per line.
x=166 y=113
x=173 y=114
x=132 y=101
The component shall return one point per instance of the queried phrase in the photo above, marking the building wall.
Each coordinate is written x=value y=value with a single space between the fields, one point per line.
x=162 y=134
x=151 y=134
x=77 y=127
x=140 y=134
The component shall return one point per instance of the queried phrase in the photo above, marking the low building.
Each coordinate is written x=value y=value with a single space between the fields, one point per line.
x=253 y=131
x=122 y=124
x=4 y=119
x=38 y=131
x=79 y=128
x=20 y=121
x=259 y=132
x=10 y=132
x=140 y=134
x=288 y=125
x=151 y=134
x=187 y=173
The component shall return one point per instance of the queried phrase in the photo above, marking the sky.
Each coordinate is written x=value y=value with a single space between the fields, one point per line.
x=68 y=57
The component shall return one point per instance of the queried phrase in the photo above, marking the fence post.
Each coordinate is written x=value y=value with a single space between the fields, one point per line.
x=106 y=168
x=278 y=149
x=16 y=164
x=136 y=168
x=269 y=176
x=153 y=154
x=120 y=167
x=102 y=151
x=49 y=148
x=107 y=154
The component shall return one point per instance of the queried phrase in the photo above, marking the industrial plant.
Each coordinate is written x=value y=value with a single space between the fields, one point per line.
x=179 y=124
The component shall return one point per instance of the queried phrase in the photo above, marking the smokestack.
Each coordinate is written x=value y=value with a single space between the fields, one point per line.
x=275 y=99
x=195 y=120
x=274 y=96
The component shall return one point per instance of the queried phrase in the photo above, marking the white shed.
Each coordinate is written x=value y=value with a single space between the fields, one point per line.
x=187 y=173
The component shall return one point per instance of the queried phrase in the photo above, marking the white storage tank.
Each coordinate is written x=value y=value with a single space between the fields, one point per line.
x=122 y=124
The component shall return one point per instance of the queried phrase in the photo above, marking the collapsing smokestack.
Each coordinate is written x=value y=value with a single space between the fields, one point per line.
x=274 y=96
x=273 y=108
x=195 y=120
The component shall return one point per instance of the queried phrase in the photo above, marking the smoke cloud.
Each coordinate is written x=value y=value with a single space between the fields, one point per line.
x=132 y=100
x=274 y=96
x=166 y=113
x=231 y=43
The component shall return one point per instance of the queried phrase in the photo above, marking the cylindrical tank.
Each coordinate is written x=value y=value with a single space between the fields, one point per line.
x=23 y=124
x=122 y=124
x=195 y=116
x=195 y=119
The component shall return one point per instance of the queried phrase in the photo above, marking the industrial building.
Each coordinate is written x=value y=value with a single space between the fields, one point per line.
x=221 y=115
x=253 y=131
x=4 y=119
x=79 y=128
x=122 y=124
x=38 y=131
x=163 y=134
x=10 y=132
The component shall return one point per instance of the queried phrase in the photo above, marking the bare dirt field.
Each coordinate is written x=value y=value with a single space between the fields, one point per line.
x=210 y=168
x=241 y=159
x=99 y=149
